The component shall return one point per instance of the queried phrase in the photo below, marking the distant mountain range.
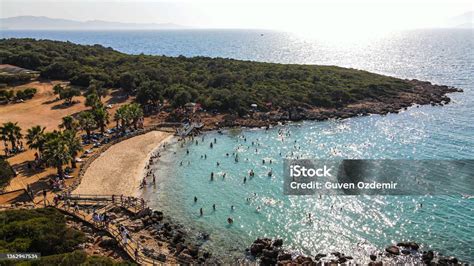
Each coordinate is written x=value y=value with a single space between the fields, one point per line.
x=45 y=23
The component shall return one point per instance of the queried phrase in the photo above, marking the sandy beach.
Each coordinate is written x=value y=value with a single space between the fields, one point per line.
x=120 y=169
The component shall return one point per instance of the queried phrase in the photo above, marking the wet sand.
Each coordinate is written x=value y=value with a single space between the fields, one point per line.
x=120 y=169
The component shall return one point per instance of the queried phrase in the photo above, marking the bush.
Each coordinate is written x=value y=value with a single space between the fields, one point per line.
x=39 y=230
x=6 y=172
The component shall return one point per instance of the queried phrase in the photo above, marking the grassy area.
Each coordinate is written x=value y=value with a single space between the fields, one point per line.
x=216 y=83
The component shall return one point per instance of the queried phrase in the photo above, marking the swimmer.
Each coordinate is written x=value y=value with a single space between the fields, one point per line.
x=212 y=176
x=245 y=180
x=230 y=221
x=195 y=199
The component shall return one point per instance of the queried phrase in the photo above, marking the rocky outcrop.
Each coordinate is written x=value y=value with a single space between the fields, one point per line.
x=268 y=252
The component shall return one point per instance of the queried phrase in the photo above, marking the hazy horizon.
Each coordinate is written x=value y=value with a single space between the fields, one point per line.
x=314 y=17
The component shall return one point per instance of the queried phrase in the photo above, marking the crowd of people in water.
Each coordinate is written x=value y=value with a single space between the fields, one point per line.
x=236 y=155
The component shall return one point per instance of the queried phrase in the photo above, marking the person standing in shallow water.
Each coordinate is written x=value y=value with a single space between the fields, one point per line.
x=200 y=212
x=195 y=199
x=214 y=207
x=212 y=176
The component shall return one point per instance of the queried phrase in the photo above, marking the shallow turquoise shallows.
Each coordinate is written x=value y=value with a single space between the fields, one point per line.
x=355 y=225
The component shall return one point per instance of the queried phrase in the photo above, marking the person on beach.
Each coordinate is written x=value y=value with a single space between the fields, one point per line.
x=44 y=197
x=154 y=179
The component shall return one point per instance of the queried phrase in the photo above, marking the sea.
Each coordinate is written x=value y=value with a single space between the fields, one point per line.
x=355 y=225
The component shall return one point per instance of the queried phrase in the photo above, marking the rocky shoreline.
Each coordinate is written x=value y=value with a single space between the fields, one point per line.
x=422 y=93
x=271 y=252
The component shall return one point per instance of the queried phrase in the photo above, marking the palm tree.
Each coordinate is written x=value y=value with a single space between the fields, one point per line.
x=68 y=123
x=118 y=116
x=87 y=122
x=74 y=145
x=123 y=115
x=101 y=118
x=93 y=101
x=56 y=153
x=12 y=132
x=35 y=138
x=136 y=113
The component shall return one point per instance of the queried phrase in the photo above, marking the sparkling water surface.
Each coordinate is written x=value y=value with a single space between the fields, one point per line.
x=355 y=225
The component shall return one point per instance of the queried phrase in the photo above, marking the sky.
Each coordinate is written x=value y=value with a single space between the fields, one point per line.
x=317 y=16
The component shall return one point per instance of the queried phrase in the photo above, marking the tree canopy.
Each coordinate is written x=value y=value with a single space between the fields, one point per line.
x=217 y=83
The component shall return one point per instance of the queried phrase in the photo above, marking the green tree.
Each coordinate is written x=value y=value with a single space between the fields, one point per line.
x=97 y=87
x=101 y=117
x=68 y=93
x=56 y=153
x=11 y=132
x=93 y=101
x=74 y=145
x=68 y=123
x=135 y=112
x=87 y=121
x=57 y=89
x=35 y=138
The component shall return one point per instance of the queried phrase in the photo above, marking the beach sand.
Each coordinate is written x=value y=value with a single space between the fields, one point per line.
x=120 y=169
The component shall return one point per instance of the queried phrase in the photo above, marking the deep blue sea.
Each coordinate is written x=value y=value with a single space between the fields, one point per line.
x=357 y=225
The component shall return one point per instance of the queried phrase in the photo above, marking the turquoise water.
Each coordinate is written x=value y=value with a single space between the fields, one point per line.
x=355 y=225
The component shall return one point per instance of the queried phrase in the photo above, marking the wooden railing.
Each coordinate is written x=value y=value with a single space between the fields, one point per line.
x=130 y=246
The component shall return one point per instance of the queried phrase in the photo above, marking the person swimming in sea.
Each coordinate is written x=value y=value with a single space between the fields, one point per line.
x=245 y=180
x=230 y=220
x=232 y=208
x=212 y=176
x=210 y=145
x=195 y=199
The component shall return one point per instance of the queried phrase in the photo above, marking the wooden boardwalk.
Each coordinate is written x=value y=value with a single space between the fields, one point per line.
x=130 y=246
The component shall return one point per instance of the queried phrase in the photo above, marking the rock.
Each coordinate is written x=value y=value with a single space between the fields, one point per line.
x=428 y=257
x=319 y=256
x=337 y=254
x=185 y=257
x=107 y=242
x=284 y=256
x=270 y=253
x=193 y=250
x=394 y=250
x=405 y=252
x=453 y=260
x=377 y=263
x=179 y=247
x=277 y=242
x=256 y=248
x=342 y=260
x=373 y=257
x=303 y=260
